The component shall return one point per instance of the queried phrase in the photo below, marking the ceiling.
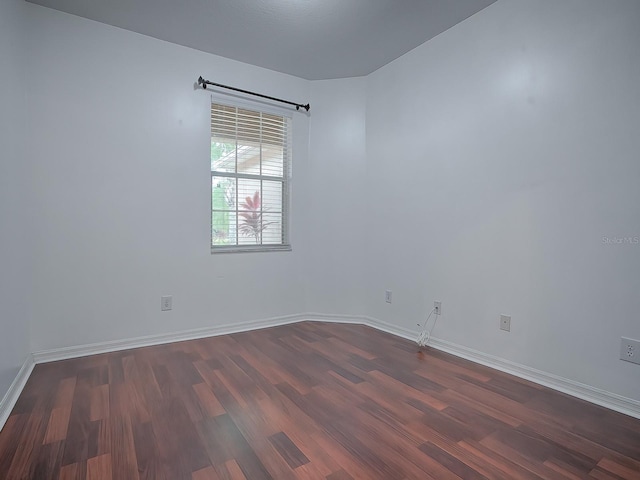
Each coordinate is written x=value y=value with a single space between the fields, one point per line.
x=312 y=39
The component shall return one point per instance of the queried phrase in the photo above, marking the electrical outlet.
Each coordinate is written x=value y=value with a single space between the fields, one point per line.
x=630 y=350
x=437 y=308
x=505 y=323
x=166 y=303
x=387 y=296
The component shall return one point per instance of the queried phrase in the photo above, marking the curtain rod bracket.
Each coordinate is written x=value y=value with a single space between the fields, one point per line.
x=204 y=83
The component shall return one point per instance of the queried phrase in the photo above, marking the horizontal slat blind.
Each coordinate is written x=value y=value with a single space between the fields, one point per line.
x=247 y=126
x=250 y=164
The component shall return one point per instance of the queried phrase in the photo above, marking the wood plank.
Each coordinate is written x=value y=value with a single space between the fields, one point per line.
x=99 y=403
x=25 y=457
x=208 y=400
x=124 y=463
x=49 y=461
x=58 y=424
x=208 y=473
x=69 y=472
x=64 y=395
x=99 y=468
x=233 y=470
x=287 y=449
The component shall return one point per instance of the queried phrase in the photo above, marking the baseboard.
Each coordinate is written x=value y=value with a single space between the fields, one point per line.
x=609 y=400
x=334 y=318
x=15 y=389
x=591 y=394
x=65 y=353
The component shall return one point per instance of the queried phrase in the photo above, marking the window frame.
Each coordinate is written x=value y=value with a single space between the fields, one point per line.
x=285 y=179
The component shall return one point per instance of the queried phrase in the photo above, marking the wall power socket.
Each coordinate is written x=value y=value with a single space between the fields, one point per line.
x=630 y=350
x=166 y=303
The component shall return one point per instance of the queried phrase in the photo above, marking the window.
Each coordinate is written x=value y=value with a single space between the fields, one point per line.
x=250 y=164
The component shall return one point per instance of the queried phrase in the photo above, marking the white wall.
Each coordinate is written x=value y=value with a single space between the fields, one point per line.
x=335 y=215
x=499 y=154
x=121 y=142
x=481 y=169
x=15 y=218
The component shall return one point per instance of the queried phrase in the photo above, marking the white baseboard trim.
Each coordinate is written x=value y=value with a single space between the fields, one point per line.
x=65 y=353
x=15 y=389
x=591 y=394
x=612 y=401
x=335 y=318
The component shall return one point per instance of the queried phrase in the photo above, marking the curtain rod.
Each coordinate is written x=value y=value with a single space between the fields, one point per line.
x=204 y=83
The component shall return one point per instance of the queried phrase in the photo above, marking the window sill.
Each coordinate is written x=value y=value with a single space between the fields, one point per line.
x=251 y=249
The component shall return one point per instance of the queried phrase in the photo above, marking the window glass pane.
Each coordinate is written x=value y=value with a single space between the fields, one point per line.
x=233 y=228
x=223 y=190
x=223 y=213
x=249 y=210
x=248 y=240
x=248 y=188
x=223 y=227
x=272 y=224
x=223 y=156
x=271 y=196
x=249 y=159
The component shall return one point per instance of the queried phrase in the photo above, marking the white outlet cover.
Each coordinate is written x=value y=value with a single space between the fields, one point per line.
x=630 y=350
x=505 y=323
x=166 y=303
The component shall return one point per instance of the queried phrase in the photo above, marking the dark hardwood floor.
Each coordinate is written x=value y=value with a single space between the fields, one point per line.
x=304 y=401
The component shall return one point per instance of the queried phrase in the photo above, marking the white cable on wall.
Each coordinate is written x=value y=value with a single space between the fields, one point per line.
x=425 y=335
